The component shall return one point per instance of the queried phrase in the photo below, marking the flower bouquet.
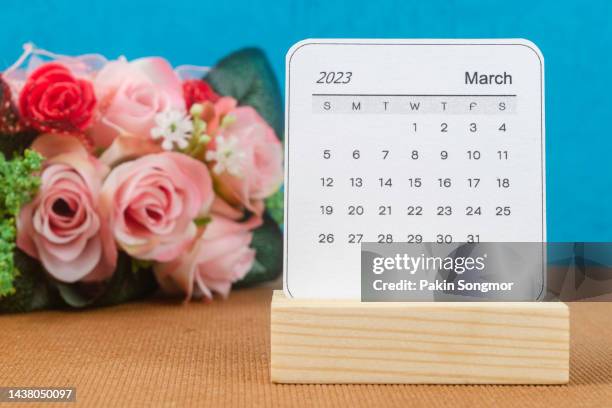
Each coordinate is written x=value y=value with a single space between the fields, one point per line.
x=118 y=178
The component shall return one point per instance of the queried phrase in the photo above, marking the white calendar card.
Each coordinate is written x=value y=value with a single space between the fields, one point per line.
x=408 y=141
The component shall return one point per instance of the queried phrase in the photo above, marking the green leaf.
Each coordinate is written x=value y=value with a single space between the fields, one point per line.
x=248 y=76
x=275 y=205
x=125 y=285
x=268 y=244
x=32 y=289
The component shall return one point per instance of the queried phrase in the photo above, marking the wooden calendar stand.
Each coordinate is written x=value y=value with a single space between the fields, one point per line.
x=334 y=341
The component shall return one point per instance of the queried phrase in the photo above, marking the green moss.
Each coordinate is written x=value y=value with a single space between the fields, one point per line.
x=18 y=184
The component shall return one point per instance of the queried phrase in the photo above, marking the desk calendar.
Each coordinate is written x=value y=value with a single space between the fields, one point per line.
x=408 y=141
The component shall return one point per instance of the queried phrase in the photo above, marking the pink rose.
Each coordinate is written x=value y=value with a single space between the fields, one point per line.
x=152 y=202
x=62 y=226
x=130 y=94
x=246 y=160
x=215 y=112
x=220 y=257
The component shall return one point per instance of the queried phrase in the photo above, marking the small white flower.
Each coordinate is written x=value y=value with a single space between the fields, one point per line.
x=174 y=128
x=228 y=156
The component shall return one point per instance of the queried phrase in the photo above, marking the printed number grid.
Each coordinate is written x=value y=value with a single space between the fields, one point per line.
x=450 y=174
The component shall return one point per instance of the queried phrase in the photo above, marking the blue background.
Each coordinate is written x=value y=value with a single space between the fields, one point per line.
x=575 y=38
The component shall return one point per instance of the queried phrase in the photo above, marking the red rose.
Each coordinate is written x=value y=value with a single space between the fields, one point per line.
x=52 y=99
x=198 y=91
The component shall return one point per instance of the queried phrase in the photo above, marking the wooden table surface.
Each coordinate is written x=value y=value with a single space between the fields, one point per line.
x=160 y=353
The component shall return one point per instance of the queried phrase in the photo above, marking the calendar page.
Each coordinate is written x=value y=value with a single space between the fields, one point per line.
x=412 y=141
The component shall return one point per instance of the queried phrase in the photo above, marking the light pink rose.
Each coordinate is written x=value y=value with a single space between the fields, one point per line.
x=214 y=112
x=130 y=94
x=62 y=226
x=246 y=160
x=218 y=258
x=152 y=203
